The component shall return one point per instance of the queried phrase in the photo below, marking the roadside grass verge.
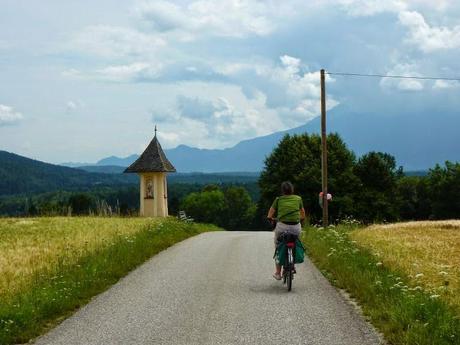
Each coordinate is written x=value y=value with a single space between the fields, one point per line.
x=404 y=313
x=48 y=292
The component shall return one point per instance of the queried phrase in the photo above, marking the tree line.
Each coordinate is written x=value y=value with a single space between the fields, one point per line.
x=371 y=188
x=103 y=200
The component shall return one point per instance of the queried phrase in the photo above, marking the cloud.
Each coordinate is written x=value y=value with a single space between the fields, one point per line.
x=195 y=108
x=8 y=116
x=372 y=7
x=138 y=71
x=73 y=106
x=406 y=70
x=429 y=38
x=217 y=122
x=445 y=84
x=288 y=86
x=224 y=18
x=365 y=8
x=113 y=41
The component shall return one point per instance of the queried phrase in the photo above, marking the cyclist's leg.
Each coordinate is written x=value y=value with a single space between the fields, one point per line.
x=278 y=231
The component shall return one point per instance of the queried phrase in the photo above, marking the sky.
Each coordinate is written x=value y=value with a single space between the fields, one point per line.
x=82 y=80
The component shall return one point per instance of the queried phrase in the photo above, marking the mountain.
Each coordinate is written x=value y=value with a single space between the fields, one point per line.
x=418 y=140
x=19 y=175
x=103 y=169
x=112 y=160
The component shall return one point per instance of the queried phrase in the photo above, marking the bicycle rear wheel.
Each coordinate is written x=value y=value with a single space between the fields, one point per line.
x=290 y=266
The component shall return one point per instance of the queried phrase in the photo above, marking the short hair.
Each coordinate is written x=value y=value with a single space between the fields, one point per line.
x=287 y=188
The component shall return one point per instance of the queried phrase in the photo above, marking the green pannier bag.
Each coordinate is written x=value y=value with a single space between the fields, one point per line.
x=280 y=253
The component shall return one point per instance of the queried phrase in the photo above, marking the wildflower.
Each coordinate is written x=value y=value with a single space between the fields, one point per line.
x=419 y=275
x=434 y=296
x=378 y=264
x=443 y=273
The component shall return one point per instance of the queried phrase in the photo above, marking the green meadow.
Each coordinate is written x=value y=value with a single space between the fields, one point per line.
x=52 y=266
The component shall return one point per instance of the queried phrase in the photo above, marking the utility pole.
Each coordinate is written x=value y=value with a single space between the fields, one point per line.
x=324 y=150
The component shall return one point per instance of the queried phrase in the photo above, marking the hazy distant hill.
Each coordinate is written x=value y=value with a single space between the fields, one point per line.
x=113 y=160
x=19 y=174
x=417 y=140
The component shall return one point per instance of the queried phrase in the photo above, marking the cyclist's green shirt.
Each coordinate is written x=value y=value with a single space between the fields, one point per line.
x=288 y=207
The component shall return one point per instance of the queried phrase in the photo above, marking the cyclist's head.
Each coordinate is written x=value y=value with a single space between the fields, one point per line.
x=287 y=188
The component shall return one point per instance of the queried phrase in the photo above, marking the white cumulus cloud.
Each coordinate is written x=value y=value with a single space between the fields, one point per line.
x=288 y=87
x=225 y=18
x=8 y=116
x=215 y=122
x=372 y=7
x=429 y=38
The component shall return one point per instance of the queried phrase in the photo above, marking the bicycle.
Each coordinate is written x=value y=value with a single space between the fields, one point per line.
x=289 y=241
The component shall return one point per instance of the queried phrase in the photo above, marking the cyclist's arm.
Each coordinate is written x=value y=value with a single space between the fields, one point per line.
x=271 y=213
x=302 y=213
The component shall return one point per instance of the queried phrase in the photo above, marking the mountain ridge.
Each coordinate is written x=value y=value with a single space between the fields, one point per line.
x=416 y=140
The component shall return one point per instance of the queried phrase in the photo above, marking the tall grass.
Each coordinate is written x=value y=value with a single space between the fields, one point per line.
x=404 y=314
x=427 y=252
x=88 y=261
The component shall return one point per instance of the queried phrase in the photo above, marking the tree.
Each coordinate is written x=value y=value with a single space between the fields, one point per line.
x=297 y=159
x=81 y=203
x=444 y=190
x=232 y=208
x=206 y=206
x=240 y=209
x=376 y=198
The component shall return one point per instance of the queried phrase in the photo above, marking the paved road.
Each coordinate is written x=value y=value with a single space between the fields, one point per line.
x=216 y=288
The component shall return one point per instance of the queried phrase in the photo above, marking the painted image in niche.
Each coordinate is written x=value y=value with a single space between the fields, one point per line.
x=149 y=189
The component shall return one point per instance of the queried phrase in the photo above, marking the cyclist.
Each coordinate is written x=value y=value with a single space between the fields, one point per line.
x=290 y=212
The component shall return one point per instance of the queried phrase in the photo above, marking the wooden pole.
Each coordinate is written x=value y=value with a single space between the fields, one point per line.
x=324 y=150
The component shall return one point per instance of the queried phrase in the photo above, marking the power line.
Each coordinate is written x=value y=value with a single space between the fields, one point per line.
x=391 y=76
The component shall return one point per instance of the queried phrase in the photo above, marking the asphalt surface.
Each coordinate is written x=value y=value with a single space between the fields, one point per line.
x=216 y=288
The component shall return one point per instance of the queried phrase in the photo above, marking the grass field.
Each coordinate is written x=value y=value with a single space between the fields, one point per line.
x=393 y=271
x=51 y=266
x=428 y=253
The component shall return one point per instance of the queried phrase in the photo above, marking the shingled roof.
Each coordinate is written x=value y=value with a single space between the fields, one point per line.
x=153 y=159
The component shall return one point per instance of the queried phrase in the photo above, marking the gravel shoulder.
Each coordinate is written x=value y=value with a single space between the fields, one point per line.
x=216 y=288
